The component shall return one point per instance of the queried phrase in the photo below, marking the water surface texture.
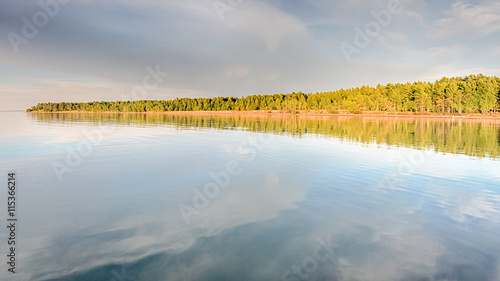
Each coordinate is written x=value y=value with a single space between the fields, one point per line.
x=191 y=197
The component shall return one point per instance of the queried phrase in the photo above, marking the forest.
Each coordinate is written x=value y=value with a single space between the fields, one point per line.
x=470 y=94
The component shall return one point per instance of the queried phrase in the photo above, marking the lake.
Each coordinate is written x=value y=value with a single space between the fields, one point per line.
x=238 y=197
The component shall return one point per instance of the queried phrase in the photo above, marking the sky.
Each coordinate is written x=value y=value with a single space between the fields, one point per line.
x=89 y=50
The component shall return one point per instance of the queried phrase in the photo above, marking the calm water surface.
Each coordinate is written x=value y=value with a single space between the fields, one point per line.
x=162 y=197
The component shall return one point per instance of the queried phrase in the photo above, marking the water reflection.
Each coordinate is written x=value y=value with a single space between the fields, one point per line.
x=117 y=217
x=480 y=138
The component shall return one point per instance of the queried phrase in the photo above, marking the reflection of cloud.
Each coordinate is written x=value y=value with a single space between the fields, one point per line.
x=257 y=203
x=392 y=253
x=381 y=242
x=460 y=205
x=248 y=199
x=242 y=230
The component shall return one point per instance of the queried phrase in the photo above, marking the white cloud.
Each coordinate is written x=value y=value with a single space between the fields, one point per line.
x=237 y=71
x=270 y=25
x=416 y=16
x=455 y=70
x=467 y=19
x=57 y=90
x=396 y=42
x=452 y=51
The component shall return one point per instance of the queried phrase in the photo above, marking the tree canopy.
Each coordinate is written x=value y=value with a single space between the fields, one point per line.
x=471 y=94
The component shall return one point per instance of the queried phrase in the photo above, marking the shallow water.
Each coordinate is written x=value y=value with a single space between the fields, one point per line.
x=166 y=197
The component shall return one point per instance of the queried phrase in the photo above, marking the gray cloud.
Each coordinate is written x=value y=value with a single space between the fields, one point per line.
x=261 y=47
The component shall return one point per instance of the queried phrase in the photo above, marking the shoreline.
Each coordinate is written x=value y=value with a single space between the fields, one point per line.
x=274 y=113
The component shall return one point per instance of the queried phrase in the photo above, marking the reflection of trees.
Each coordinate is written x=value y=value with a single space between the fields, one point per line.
x=480 y=139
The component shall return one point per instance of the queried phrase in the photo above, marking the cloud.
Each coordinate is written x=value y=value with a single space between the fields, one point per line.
x=236 y=71
x=58 y=90
x=260 y=47
x=464 y=19
x=455 y=70
x=187 y=39
x=395 y=42
x=452 y=51
x=416 y=16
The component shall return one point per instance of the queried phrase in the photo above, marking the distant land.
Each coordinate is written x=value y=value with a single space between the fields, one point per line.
x=474 y=95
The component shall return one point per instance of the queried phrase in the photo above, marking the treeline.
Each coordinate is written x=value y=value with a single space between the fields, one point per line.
x=471 y=94
x=477 y=139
